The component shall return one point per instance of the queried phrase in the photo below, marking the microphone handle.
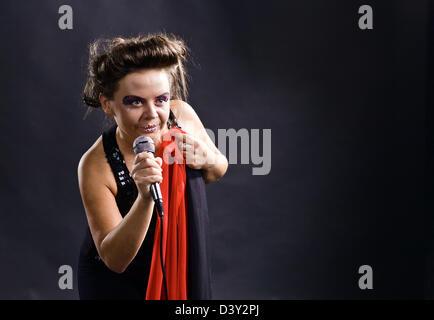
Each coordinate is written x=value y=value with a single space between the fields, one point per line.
x=158 y=199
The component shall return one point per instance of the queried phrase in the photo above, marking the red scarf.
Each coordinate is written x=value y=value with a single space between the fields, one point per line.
x=175 y=226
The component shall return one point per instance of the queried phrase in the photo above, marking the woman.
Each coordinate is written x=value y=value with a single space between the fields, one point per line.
x=138 y=81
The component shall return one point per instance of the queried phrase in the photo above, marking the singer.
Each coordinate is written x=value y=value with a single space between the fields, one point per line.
x=140 y=84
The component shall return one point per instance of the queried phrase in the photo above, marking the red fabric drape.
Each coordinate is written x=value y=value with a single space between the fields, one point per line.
x=175 y=226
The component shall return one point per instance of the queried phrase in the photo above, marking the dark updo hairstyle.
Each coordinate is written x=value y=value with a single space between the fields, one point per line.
x=112 y=59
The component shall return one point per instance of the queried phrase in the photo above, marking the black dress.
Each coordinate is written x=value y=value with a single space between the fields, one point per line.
x=96 y=281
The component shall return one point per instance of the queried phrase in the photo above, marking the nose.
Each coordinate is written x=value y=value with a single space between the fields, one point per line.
x=149 y=111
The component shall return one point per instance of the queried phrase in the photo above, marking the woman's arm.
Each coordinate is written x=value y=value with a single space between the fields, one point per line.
x=203 y=153
x=216 y=170
x=117 y=239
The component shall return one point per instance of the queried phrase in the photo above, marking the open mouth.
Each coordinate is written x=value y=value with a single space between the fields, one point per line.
x=148 y=129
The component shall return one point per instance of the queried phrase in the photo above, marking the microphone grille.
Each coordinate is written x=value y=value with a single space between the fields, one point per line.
x=143 y=143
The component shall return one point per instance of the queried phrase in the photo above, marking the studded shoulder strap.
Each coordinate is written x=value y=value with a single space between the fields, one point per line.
x=127 y=190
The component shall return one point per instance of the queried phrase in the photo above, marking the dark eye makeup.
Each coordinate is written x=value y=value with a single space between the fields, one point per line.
x=129 y=100
x=164 y=97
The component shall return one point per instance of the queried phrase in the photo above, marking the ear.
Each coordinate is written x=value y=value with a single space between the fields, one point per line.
x=105 y=105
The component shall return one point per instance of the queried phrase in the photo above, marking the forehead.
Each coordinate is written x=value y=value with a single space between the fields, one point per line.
x=145 y=82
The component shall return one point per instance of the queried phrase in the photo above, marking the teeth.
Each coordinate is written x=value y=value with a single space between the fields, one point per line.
x=150 y=128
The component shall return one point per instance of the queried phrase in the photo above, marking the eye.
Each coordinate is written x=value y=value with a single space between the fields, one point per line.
x=132 y=100
x=162 y=99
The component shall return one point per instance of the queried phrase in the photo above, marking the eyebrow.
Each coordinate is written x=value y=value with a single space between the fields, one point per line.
x=135 y=96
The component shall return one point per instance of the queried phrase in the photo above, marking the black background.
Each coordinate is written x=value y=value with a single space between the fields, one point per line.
x=349 y=112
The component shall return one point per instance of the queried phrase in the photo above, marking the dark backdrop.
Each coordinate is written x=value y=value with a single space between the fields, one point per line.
x=347 y=110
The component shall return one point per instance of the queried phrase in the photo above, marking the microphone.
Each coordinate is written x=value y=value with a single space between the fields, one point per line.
x=145 y=144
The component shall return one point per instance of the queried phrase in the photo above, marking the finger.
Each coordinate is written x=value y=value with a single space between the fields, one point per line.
x=189 y=157
x=188 y=148
x=139 y=165
x=156 y=178
x=177 y=136
x=184 y=143
x=181 y=137
x=181 y=145
x=146 y=163
x=144 y=173
x=159 y=161
x=189 y=139
x=149 y=179
x=150 y=164
x=196 y=144
x=150 y=161
x=141 y=156
x=151 y=171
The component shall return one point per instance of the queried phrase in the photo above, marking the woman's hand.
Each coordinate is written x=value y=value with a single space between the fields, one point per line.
x=146 y=170
x=196 y=153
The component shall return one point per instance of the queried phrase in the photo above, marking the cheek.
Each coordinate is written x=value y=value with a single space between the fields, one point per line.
x=130 y=115
x=163 y=113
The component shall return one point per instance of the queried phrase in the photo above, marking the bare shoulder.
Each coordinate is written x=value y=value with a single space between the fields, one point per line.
x=186 y=116
x=178 y=106
x=93 y=166
x=190 y=122
x=96 y=183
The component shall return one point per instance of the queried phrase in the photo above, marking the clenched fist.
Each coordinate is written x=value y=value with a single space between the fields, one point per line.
x=146 y=170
